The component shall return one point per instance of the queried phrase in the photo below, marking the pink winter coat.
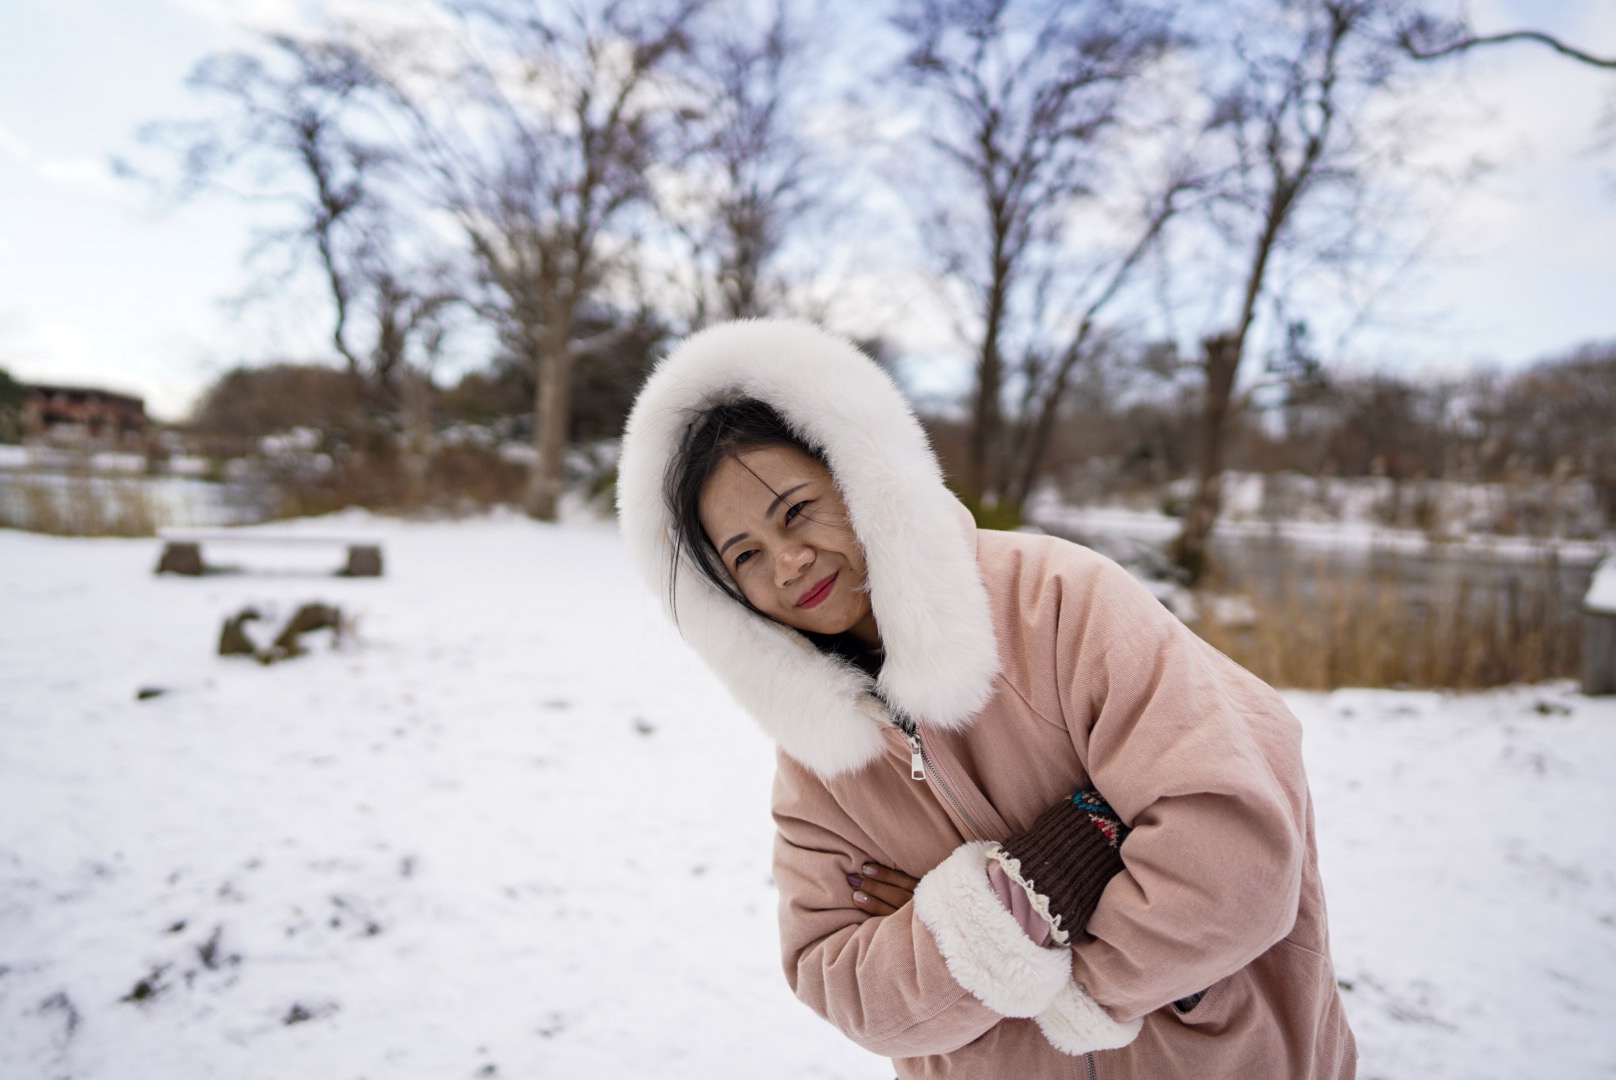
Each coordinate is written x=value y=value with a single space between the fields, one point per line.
x=1031 y=668
x=1100 y=686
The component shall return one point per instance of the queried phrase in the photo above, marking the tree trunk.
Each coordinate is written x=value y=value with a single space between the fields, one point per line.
x=417 y=394
x=1222 y=361
x=551 y=413
x=982 y=466
x=1190 y=549
x=1043 y=425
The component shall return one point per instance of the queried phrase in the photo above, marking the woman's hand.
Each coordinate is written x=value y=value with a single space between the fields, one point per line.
x=880 y=890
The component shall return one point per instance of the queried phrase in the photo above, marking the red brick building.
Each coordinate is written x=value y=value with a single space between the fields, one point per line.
x=73 y=412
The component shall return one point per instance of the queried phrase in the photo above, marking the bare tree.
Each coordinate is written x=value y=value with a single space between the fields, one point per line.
x=1559 y=411
x=1021 y=96
x=750 y=167
x=298 y=129
x=540 y=143
x=1429 y=38
x=1286 y=123
x=292 y=132
x=1046 y=377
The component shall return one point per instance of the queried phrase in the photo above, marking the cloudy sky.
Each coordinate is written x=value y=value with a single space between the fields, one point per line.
x=99 y=284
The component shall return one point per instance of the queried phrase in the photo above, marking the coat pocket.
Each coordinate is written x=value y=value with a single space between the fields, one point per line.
x=1211 y=1010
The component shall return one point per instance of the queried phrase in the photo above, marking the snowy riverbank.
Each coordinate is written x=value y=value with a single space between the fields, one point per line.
x=513 y=829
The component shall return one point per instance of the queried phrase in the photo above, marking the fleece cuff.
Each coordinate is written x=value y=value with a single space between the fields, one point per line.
x=985 y=948
x=1075 y=1024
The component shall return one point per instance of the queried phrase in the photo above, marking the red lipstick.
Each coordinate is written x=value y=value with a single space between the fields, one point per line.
x=818 y=592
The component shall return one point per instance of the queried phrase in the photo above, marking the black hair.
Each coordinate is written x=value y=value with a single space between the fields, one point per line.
x=719 y=433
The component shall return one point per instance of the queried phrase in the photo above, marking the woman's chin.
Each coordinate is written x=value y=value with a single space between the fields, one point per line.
x=841 y=622
x=818 y=622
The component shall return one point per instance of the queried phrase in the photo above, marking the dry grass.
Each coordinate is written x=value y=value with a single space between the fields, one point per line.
x=81 y=502
x=1336 y=626
x=76 y=504
x=455 y=480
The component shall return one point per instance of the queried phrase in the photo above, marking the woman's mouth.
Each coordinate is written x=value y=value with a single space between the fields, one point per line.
x=818 y=592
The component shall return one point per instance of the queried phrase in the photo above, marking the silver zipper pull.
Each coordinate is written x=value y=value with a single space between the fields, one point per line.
x=917 y=761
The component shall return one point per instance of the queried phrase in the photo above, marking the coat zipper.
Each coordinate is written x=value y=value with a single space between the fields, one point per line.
x=917 y=752
x=920 y=762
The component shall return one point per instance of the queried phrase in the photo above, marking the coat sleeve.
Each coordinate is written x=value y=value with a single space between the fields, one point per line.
x=1203 y=760
x=885 y=981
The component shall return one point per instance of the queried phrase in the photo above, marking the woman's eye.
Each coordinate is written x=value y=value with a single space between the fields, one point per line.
x=742 y=557
x=797 y=509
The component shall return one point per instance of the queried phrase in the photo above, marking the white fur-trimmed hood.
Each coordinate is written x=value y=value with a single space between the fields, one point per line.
x=929 y=602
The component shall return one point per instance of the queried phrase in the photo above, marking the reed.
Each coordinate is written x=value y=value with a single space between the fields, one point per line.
x=77 y=503
x=1330 y=625
x=455 y=479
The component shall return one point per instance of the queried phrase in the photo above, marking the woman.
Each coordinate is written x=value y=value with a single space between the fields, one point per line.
x=1109 y=820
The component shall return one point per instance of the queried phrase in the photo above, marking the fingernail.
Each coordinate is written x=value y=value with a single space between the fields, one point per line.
x=855 y=881
x=860 y=898
x=871 y=869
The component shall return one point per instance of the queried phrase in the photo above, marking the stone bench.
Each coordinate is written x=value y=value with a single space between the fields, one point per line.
x=182 y=551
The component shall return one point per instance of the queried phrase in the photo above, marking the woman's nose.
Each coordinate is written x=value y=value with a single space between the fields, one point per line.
x=789 y=563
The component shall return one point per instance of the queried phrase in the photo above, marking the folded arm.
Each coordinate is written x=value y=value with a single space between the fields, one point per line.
x=1203 y=761
x=932 y=975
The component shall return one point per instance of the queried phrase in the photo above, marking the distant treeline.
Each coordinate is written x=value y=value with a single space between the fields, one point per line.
x=1122 y=432
x=1037 y=196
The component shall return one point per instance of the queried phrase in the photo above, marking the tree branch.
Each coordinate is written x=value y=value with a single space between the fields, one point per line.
x=1473 y=41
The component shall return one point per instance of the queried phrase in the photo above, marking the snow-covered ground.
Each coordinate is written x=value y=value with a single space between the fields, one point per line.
x=513 y=829
x=1375 y=509
x=1350 y=535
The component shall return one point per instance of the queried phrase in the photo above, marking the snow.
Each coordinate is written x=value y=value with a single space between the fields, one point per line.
x=513 y=828
x=111 y=461
x=1465 y=846
x=188 y=465
x=1442 y=509
x=1350 y=535
x=1601 y=596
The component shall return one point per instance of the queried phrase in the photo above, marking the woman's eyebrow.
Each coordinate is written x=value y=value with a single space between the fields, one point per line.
x=782 y=497
x=769 y=513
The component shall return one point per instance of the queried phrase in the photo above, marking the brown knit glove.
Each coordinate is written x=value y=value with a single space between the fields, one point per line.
x=1069 y=854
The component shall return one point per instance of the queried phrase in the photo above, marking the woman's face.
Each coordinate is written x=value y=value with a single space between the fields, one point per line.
x=782 y=531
